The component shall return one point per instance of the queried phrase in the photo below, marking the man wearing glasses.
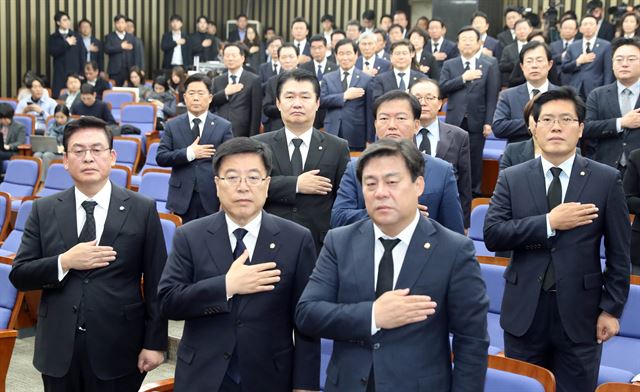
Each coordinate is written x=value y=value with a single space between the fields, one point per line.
x=559 y=306
x=235 y=278
x=87 y=249
x=187 y=146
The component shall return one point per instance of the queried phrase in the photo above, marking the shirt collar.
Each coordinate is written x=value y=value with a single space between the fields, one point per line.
x=371 y=60
x=202 y=117
x=102 y=197
x=434 y=127
x=381 y=53
x=406 y=233
x=302 y=43
x=253 y=227
x=406 y=71
x=592 y=41
x=566 y=166
x=472 y=61
x=350 y=70
x=439 y=42
x=306 y=136
x=543 y=89
x=64 y=31
x=635 y=88
x=323 y=63
x=238 y=73
x=121 y=35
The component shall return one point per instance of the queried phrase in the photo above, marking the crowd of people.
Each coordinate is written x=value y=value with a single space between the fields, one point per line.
x=325 y=184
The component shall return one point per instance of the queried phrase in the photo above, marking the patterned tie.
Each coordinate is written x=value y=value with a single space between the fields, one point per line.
x=534 y=92
x=296 y=157
x=385 y=268
x=345 y=81
x=88 y=232
x=554 y=198
x=195 y=130
x=402 y=86
x=588 y=47
x=425 y=144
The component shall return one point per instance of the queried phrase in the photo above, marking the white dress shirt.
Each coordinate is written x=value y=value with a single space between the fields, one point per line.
x=250 y=239
x=543 y=89
x=191 y=155
x=323 y=66
x=87 y=44
x=302 y=43
x=238 y=74
x=399 y=252
x=521 y=45
x=472 y=62
x=371 y=61
x=566 y=167
x=103 y=197
x=592 y=43
x=439 y=43
x=120 y=35
x=406 y=77
x=350 y=70
x=304 y=146
x=433 y=135
x=176 y=57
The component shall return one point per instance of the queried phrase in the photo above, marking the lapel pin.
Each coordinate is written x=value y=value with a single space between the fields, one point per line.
x=121 y=208
x=427 y=245
x=319 y=147
x=272 y=246
x=582 y=173
x=211 y=122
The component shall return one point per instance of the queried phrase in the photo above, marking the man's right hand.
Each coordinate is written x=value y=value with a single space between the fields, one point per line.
x=86 y=256
x=567 y=216
x=71 y=40
x=206 y=43
x=586 y=58
x=311 y=183
x=472 y=74
x=631 y=120
x=249 y=279
x=202 y=150
x=233 y=89
x=353 y=93
x=397 y=308
x=126 y=45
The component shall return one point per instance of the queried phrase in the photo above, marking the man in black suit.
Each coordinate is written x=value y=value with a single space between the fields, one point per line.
x=308 y=164
x=441 y=47
x=87 y=249
x=235 y=278
x=67 y=50
x=490 y=46
x=613 y=111
x=606 y=30
x=401 y=76
x=237 y=94
x=511 y=53
x=121 y=48
x=559 y=305
x=187 y=146
x=319 y=66
x=139 y=45
x=471 y=84
x=240 y=32
x=174 y=45
x=443 y=141
x=271 y=67
x=201 y=43
x=299 y=33
x=568 y=32
x=92 y=45
x=288 y=58
x=508 y=35
x=92 y=77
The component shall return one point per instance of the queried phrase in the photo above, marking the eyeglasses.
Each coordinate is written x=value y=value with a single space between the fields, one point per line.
x=236 y=180
x=428 y=98
x=94 y=151
x=630 y=59
x=565 y=121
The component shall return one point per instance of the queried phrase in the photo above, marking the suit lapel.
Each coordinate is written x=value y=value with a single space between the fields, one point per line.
x=65 y=213
x=267 y=249
x=207 y=131
x=579 y=177
x=355 y=80
x=537 y=186
x=117 y=214
x=417 y=254
x=444 y=144
x=218 y=243
x=528 y=151
x=363 y=246
x=281 y=152
x=316 y=149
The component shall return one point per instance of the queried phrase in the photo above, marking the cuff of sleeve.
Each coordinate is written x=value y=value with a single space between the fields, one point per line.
x=619 y=125
x=374 y=329
x=550 y=231
x=190 y=154
x=61 y=273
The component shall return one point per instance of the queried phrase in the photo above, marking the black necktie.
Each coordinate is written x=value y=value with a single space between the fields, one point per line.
x=88 y=232
x=534 y=92
x=240 y=247
x=345 y=81
x=566 y=44
x=296 y=158
x=588 y=47
x=275 y=69
x=233 y=370
x=234 y=79
x=402 y=86
x=195 y=130
x=554 y=198
x=319 y=73
x=467 y=66
x=385 y=269
x=425 y=144
x=435 y=47
x=299 y=51
x=366 y=63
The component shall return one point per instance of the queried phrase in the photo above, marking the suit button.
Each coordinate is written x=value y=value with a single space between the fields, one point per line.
x=363 y=381
x=553 y=249
x=539 y=278
x=75 y=308
x=624 y=144
x=226 y=356
x=376 y=346
x=294 y=209
x=86 y=281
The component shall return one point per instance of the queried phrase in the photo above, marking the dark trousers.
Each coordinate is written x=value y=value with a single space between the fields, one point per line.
x=195 y=210
x=546 y=344
x=229 y=386
x=476 y=146
x=81 y=378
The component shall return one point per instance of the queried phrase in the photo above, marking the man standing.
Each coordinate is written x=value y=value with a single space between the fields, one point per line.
x=490 y=46
x=441 y=48
x=613 y=111
x=271 y=67
x=443 y=141
x=299 y=33
x=121 y=48
x=288 y=58
x=237 y=94
x=471 y=83
x=558 y=305
x=240 y=31
x=402 y=76
x=201 y=43
x=67 y=50
x=320 y=64
x=174 y=45
x=188 y=143
x=347 y=98
x=92 y=45
x=511 y=53
x=396 y=286
x=508 y=36
x=87 y=249
x=508 y=120
x=235 y=278
x=308 y=164
x=368 y=61
x=401 y=19
x=568 y=32
x=397 y=116
x=139 y=46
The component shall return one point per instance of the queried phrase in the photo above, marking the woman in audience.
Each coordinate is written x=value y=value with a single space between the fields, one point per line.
x=176 y=82
x=519 y=152
x=136 y=79
x=631 y=185
x=61 y=115
x=424 y=61
x=629 y=26
x=255 y=51
x=164 y=100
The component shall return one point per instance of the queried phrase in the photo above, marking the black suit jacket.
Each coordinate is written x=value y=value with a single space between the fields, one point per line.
x=607 y=31
x=330 y=155
x=120 y=318
x=259 y=327
x=516 y=221
x=448 y=47
x=241 y=109
x=234 y=36
x=66 y=59
x=269 y=108
x=632 y=188
x=98 y=56
x=508 y=61
x=603 y=108
x=120 y=60
x=167 y=44
x=428 y=59
x=266 y=71
x=312 y=67
x=386 y=82
x=505 y=38
x=100 y=86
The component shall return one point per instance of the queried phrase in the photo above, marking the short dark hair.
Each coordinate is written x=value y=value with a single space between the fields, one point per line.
x=328 y=17
x=118 y=17
x=318 y=38
x=402 y=42
x=381 y=32
x=385 y=16
x=87 y=89
x=129 y=20
x=298 y=20
x=423 y=18
x=198 y=78
x=420 y=32
x=369 y=15
x=560 y=94
x=299 y=75
x=622 y=41
x=6 y=110
x=536 y=33
x=338 y=31
x=275 y=38
x=175 y=17
x=85 y=20
x=35 y=78
x=240 y=46
x=345 y=41
x=288 y=45
x=512 y=9
x=575 y=20
x=242 y=145
x=393 y=147
x=93 y=64
x=424 y=80
x=202 y=17
x=58 y=16
x=398 y=95
x=531 y=45
x=73 y=76
x=354 y=22
x=479 y=14
x=464 y=29
x=588 y=16
x=522 y=20
x=84 y=123
x=439 y=21
x=399 y=12
x=395 y=26
x=242 y=16
x=162 y=81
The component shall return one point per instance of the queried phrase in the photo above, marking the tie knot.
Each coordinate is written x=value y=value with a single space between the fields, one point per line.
x=89 y=206
x=627 y=92
x=196 y=121
x=401 y=74
x=234 y=77
x=467 y=64
x=345 y=73
x=389 y=244
x=296 y=142
x=240 y=233
x=366 y=63
x=555 y=171
x=535 y=92
x=424 y=132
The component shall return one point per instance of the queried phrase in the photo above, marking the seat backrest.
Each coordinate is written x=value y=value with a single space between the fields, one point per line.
x=155 y=185
x=11 y=102
x=51 y=121
x=169 y=223
x=117 y=98
x=477 y=222
x=29 y=122
x=127 y=151
x=151 y=155
x=58 y=179
x=158 y=386
x=492 y=275
x=141 y=115
x=5 y=214
x=21 y=177
x=121 y=176
x=506 y=374
x=618 y=387
x=8 y=296
x=12 y=243
x=630 y=320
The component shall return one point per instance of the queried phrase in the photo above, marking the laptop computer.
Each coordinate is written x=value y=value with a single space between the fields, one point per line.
x=44 y=144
